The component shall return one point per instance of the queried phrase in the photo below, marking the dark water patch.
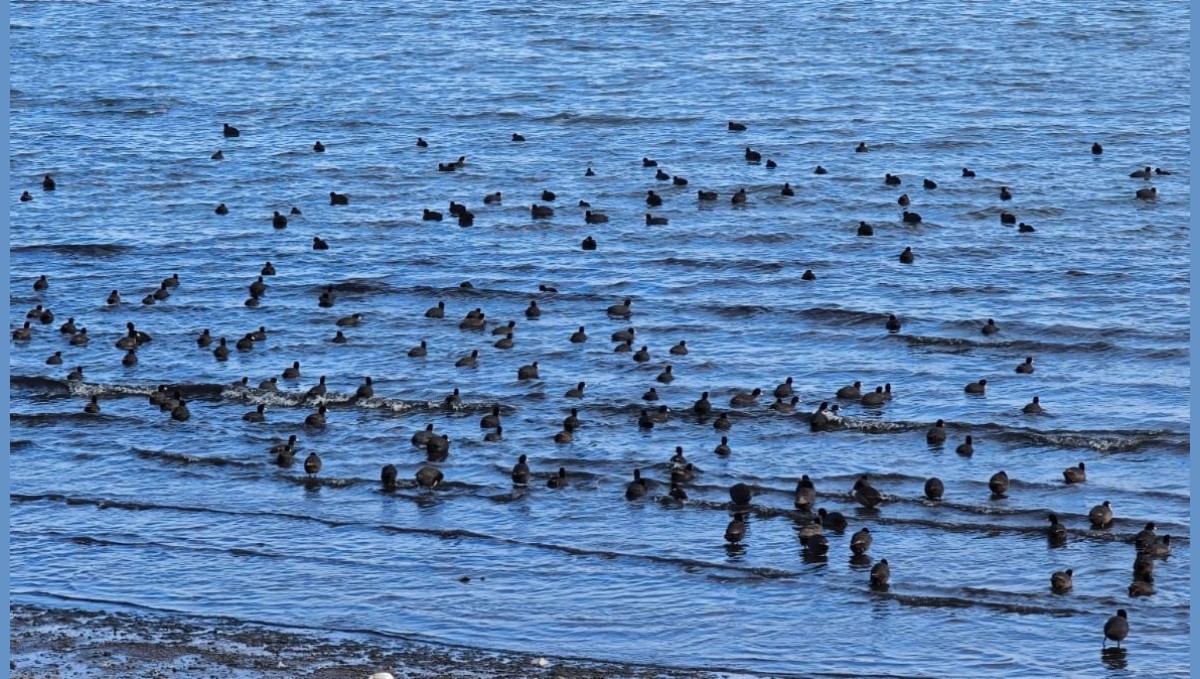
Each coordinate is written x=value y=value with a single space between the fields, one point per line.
x=958 y=602
x=768 y=238
x=843 y=317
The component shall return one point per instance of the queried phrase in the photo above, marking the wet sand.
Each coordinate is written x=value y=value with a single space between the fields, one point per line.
x=49 y=643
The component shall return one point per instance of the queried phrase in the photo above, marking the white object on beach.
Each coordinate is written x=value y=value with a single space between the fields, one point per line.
x=381 y=675
x=541 y=662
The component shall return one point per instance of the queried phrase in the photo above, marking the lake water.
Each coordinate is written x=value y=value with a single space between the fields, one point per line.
x=123 y=103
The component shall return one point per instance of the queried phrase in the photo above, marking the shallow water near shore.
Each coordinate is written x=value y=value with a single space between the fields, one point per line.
x=129 y=508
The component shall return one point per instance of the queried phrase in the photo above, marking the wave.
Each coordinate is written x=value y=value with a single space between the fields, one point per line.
x=1018 y=346
x=82 y=250
x=720 y=264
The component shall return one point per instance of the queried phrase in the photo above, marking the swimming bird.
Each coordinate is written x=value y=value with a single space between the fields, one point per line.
x=1161 y=549
x=783 y=389
x=318 y=390
x=1025 y=228
x=937 y=434
x=911 y=217
x=418 y=351
x=26 y=197
x=130 y=359
x=661 y=176
x=55 y=359
x=81 y=338
x=678 y=181
x=428 y=215
x=976 y=387
x=740 y=494
x=651 y=220
x=806 y=494
x=257 y=415
x=421 y=143
x=579 y=336
x=702 y=406
x=577 y=391
x=990 y=328
x=533 y=311
x=506 y=329
x=907 y=256
x=180 y=412
x=230 y=131
x=861 y=541
x=666 y=376
x=1061 y=581
x=571 y=422
x=518 y=137
x=966 y=448
x=891 y=179
x=93 y=406
x=420 y=438
x=1140 y=588
x=1026 y=368
x=723 y=449
x=1097 y=149
x=893 y=323
x=642 y=355
x=319 y=244
x=645 y=421
x=349 y=321
x=735 y=532
x=787 y=190
x=269 y=385
x=998 y=484
x=929 y=184
x=114 y=297
x=1145 y=538
x=316 y=419
x=319 y=147
x=752 y=156
x=781 y=406
x=706 y=195
x=1076 y=474
x=470 y=361
x=834 y=521
x=387 y=476
x=1143 y=568
x=934 y=488
x=866 y=494
x=528 y=372
x=1101 y=515
x=438 y=311
x=589 y=243
x=653 y=199
x=217 y=156
x=1142 y=174
x=736 y=127
x=336 y=198
x=437 y=448
x=279 y=221
x=820 y=170
x=1160 y=171
x=589 y=173
x=881 y=574
x=520 y=471
x=1005 y=194
x=1007 y=218
x=647 y=162
x=874 y=398
x=429 y=477
x=559 y=480
x=808 y=275
x=1147 y=194
x=541 y=211
x=1116 y=628
x=637 y=487
x=365 y=390
x=738 y=198
x=466 y=218
x=722 y=422
x=623 y=310
x=861 y=148
x=740 y=400
x=1056 y=532
x=293 y=372
x=771 y=165
x=1033 y=407
x=853 y=391
x=221 y=353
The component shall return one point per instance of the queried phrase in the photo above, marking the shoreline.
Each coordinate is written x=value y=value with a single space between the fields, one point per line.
x=48 y=642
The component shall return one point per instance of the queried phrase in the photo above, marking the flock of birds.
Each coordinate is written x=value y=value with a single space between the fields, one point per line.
x=1148 y=545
